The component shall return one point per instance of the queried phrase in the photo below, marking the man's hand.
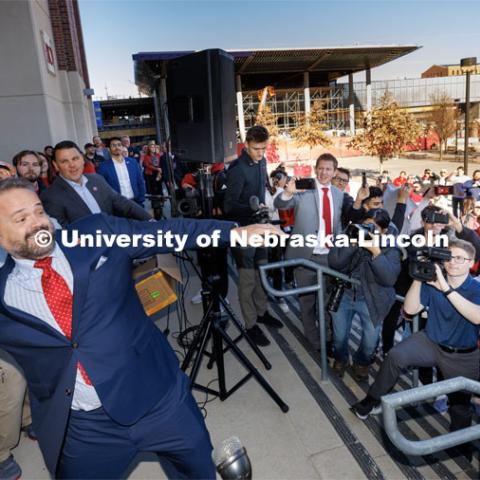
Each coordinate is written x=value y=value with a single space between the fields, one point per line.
x=440 y=283
x=403 y=193
x=368 y=245
x=430 y=193
x=455 y=223
x=260 y=229
x=362 y=194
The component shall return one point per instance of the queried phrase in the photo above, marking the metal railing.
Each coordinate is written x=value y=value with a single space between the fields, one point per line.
x=395 y=400
x=424 y=447
x=319 y=288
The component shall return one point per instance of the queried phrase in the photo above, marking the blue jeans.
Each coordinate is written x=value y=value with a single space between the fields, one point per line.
x=342 y=324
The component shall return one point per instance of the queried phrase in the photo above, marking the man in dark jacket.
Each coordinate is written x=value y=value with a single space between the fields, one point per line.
x=247 y=178
x=377 y=270
x=74 y=195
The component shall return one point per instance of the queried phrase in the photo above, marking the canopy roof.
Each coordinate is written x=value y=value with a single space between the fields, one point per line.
x=281 y=67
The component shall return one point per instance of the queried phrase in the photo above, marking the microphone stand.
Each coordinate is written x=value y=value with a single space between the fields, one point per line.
x=212 y=328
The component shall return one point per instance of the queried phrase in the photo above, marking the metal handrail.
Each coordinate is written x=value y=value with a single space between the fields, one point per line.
x=424 y=447
x=415 y=328
x=319 y=288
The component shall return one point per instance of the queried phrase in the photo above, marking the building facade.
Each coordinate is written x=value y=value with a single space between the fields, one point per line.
x=447 y=71
x=45 y=94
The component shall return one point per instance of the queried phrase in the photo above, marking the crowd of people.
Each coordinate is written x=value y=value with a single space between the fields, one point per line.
x=46 y=291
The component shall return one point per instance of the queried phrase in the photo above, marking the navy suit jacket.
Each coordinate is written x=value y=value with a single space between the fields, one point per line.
x=62 y=202
x=107 y=170
x=125 y=355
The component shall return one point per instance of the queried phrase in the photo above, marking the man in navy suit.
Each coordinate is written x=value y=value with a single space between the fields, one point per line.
x=123 y=174
x=74 y=195
x=104 y=383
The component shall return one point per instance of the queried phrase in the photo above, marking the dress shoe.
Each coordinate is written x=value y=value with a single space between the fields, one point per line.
x=270 y=321
x=256 y=334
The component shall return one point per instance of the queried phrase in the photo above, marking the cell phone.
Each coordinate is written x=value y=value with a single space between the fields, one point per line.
x=364 y=179
x=305 y=184
x=443 y=189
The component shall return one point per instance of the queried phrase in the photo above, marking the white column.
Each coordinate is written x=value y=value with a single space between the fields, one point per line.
x=351 y=104
x=368 y=83
x=241 y=117
x=306 y=92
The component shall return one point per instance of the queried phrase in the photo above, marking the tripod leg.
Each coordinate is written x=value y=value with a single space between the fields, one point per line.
x=218 y=357
x=198 y=338
x=242 y=330
x=251 y=368
x=198 y=360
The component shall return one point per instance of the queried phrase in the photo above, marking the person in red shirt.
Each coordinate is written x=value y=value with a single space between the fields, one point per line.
x=89 y=167
x=152 y=170
x=416 y=194
x=401 y=179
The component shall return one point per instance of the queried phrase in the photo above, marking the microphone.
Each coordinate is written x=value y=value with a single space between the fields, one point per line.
x=254 y=203
x=231 y=460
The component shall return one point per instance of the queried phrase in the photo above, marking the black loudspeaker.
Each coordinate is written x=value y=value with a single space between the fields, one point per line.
x=201 y=106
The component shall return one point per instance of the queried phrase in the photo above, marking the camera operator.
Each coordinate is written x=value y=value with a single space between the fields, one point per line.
x=247 y=178
x=450 y=339
x=377 y=270
x=369 y=198
x=430 y=223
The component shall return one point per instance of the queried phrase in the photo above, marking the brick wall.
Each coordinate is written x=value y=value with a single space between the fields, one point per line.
x=68 y=37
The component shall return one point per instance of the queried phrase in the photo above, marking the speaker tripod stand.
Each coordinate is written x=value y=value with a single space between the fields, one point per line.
x=212 y=328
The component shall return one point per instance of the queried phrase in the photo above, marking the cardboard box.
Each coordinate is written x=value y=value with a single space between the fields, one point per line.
x=155 y=282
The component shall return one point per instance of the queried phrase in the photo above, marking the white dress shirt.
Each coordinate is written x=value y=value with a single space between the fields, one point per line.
x=123 y=178
x=319 y=250
x=85 y=194
x=24 y=291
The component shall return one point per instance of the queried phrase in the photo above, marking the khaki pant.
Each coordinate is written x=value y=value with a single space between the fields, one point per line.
x=251 y=294
x=14 y=405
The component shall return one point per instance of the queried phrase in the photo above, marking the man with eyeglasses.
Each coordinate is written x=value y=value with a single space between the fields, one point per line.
x=341 y=178
x=349 y=212
x=123 y=173
x=449 y=341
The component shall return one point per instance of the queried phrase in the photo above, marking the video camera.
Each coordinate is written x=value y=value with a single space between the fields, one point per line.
x=422 y=262
x=353 y=229
x=430 y=216
x=260 y=213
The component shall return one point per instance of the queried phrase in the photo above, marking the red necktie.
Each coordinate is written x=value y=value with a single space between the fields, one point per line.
x=326 y=212
x=59 y=300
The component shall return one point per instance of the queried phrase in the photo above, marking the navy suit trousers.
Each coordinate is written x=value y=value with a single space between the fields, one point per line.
x=97 y=447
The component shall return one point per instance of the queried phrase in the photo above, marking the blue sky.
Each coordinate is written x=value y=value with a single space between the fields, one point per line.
x=115 y=29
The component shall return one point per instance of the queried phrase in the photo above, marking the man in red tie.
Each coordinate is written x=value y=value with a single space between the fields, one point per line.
x=318 y=212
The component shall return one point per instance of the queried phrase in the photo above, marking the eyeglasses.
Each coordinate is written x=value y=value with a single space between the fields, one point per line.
x=339 y=179
x=115 y=144
x=458 y=260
